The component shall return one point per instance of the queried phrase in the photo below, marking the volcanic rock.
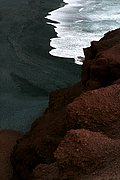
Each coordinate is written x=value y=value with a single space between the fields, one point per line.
x=92 y=107
x=97 y=110
x=46 y=172
x=101 y=68
x=8 y=139
x=80 y=155
x=110 y=39
x=39 y=144
x=84 y=152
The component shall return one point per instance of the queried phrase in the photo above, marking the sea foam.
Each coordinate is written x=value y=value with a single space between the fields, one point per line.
x=79 y=23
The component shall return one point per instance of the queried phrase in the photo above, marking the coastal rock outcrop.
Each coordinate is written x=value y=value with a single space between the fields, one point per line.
x=8 y=140
x=78 y=137
x=85 y=152
x=46 y=171
x=97 y=110
x=80 y=155
x=45 y=134
x=102 y=62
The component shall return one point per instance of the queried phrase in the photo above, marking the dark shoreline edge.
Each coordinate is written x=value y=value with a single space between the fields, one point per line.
x=24 y=98
x=28 y=72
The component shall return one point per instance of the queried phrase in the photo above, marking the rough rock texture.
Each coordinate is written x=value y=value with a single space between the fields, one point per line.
x=7 y=141
x=102 y=62
x=97 y=110
x=46 y=171
x=84 y=152
x=109 y=40
x=38 y=145
x=92 y=109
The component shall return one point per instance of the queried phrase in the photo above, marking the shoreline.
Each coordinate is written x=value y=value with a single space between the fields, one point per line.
x=77 y=59
x=78 y=135
x=28 y=72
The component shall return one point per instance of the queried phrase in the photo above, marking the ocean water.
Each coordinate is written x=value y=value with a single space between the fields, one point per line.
x=27 y=72
x=80 y=22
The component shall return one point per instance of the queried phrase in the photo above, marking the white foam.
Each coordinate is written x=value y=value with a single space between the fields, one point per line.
x=80 y=22
x=81 y=9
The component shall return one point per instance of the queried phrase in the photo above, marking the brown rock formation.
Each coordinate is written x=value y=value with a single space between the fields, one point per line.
x=38 y=145
x=102 y=62
x=97 y=110
x=46 y=171
x=92 y=104
x=109 y=40
x=84 y=152
x=7 y=141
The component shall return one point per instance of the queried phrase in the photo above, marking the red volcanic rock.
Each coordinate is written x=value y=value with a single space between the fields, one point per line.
x=61 y=97
x=101 y=68
x=39 y=144
x=117 y=81
x=84 y=152
x=7 y=141
x=97 y=110
x=109 y=40
x=46 y=172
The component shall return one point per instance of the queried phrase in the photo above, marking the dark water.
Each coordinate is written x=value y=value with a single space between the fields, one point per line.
x=27 y=72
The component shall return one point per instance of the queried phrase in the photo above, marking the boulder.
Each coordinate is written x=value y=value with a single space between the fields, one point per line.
x=101 y=68
x=97 y=110
x=85 y=152
x=46 y=172
x=110 y=39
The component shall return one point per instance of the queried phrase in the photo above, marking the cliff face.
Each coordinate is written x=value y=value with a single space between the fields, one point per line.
x=102 y=61
x=78 y=137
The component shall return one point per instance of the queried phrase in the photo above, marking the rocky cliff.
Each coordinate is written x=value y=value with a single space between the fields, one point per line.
x=78 y=136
